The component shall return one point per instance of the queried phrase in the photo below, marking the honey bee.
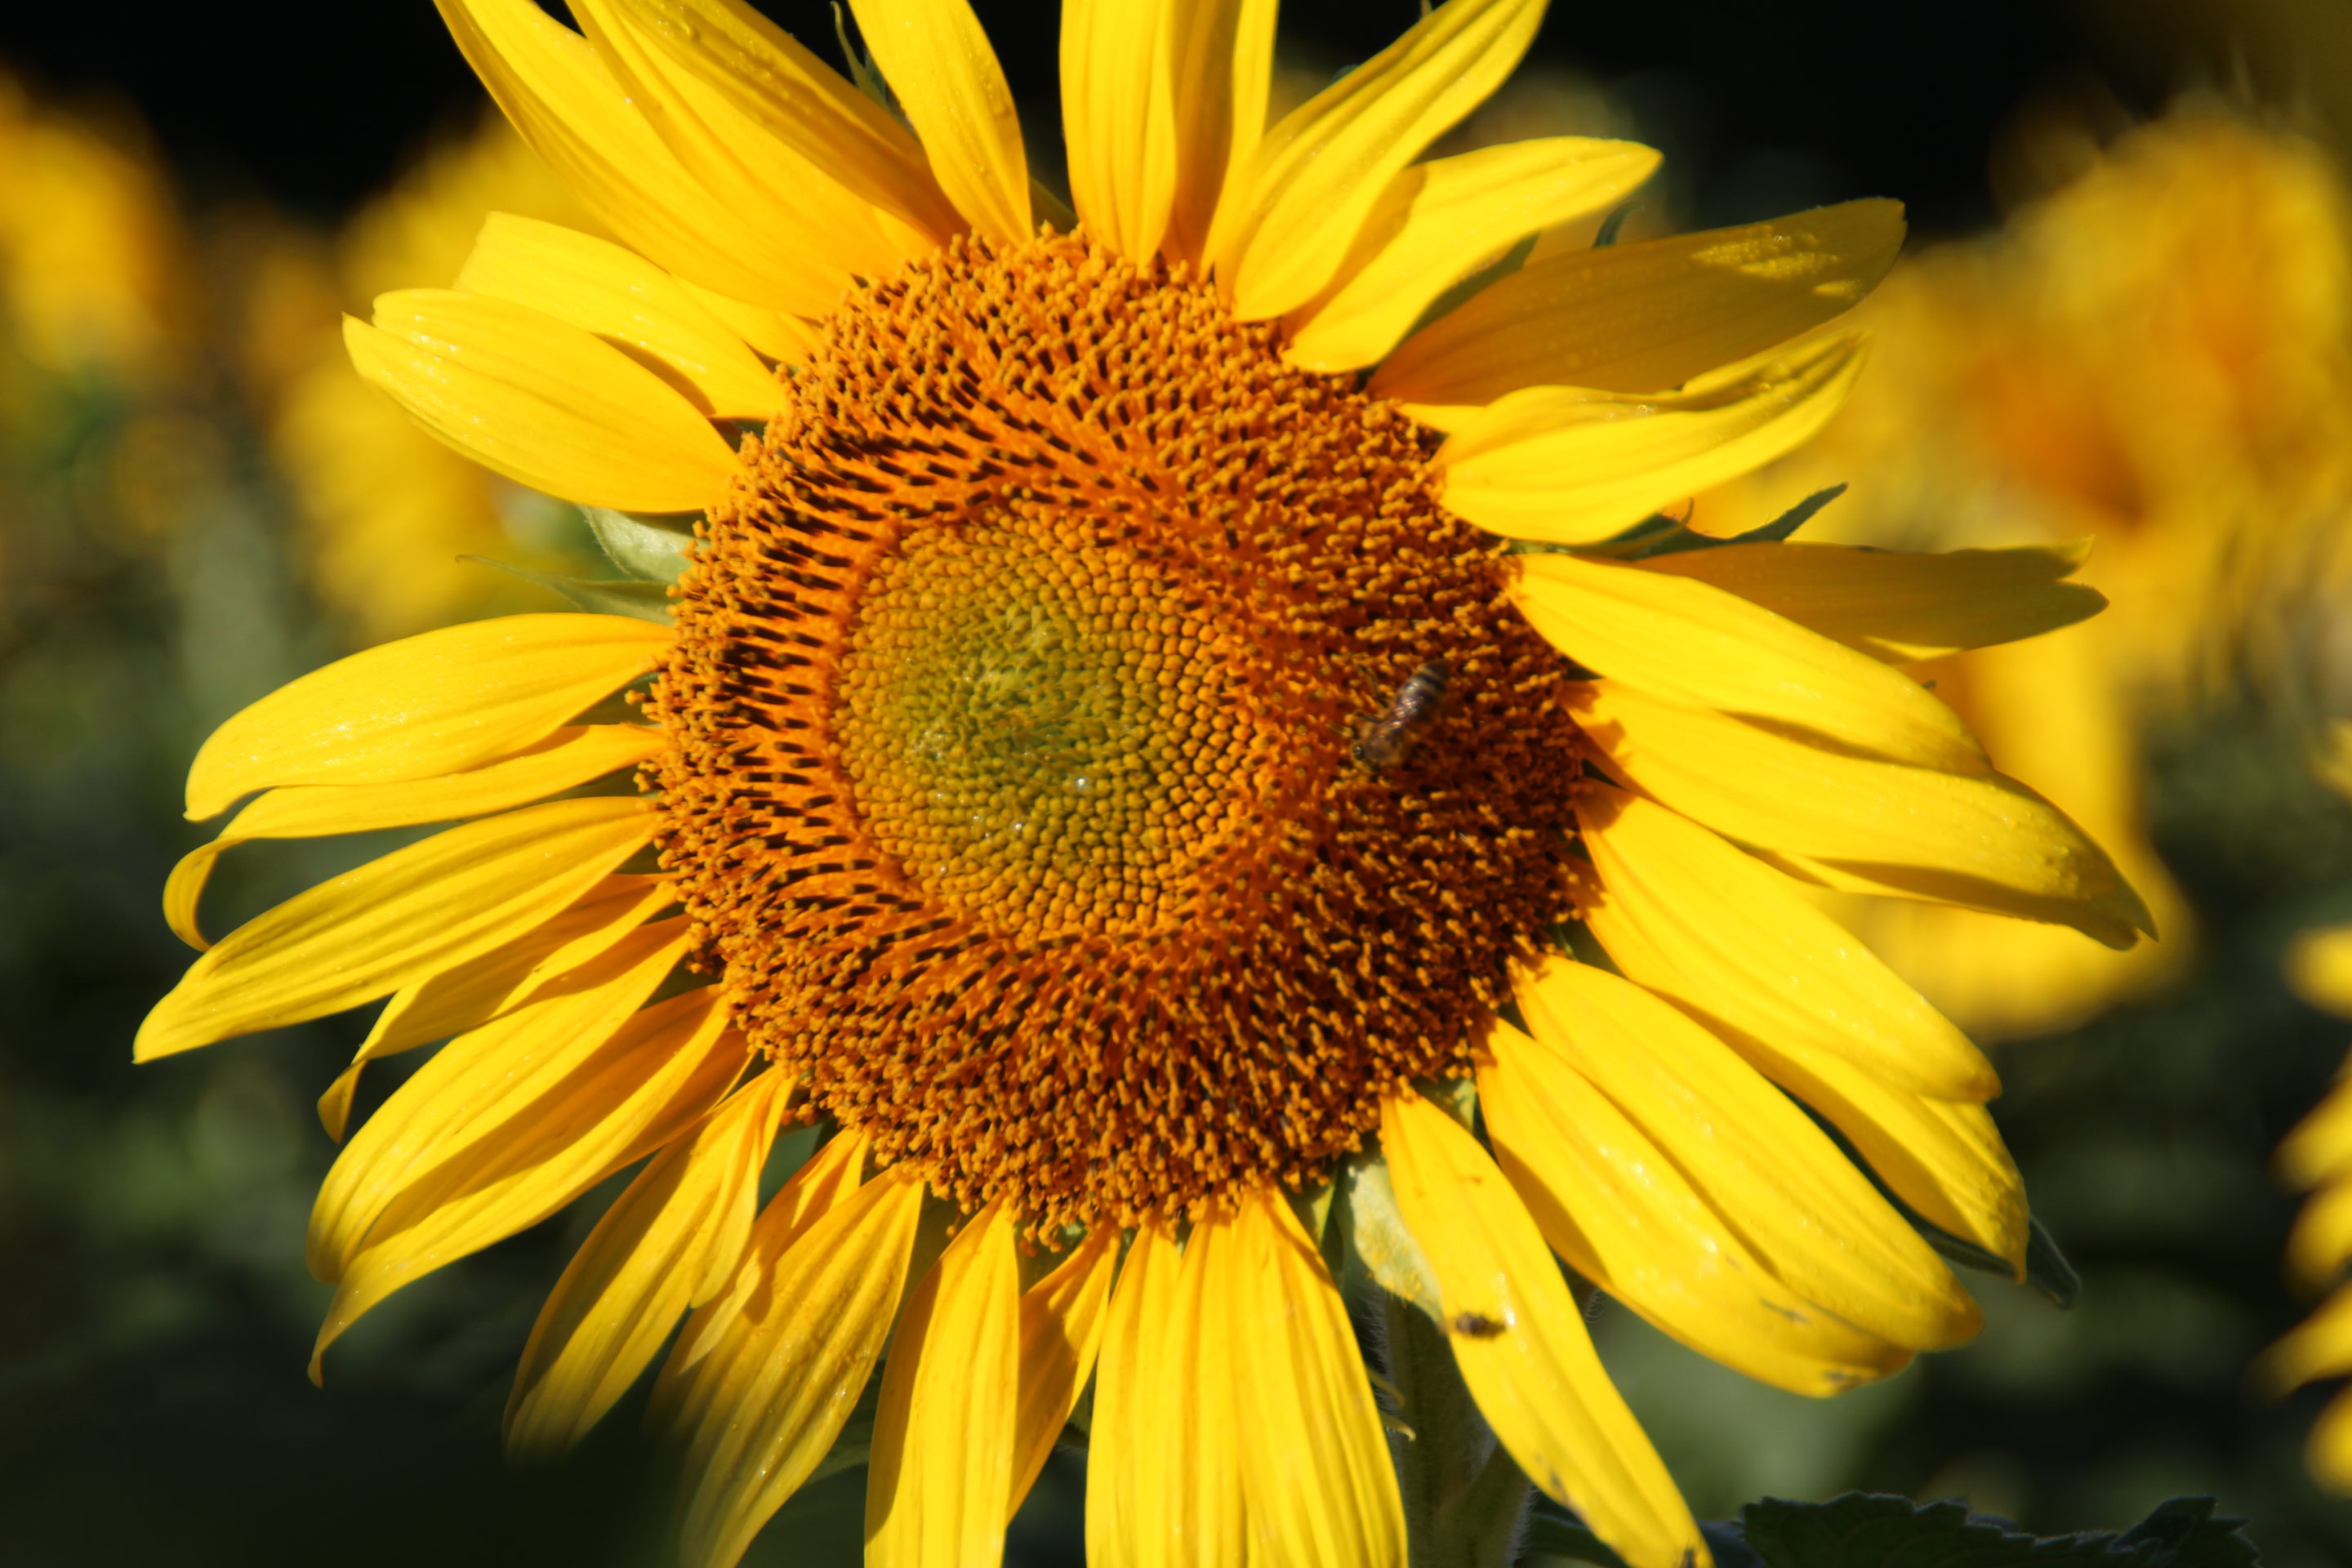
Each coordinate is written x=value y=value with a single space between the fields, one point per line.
x=1418 y=704
x=1475 y=1325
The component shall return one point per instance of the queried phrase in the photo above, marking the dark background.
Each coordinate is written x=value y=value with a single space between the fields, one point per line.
x=154 y=1316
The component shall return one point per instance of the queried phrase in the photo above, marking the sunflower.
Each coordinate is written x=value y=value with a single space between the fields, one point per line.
x=2152 y=356
x=2317 y=1156
x=1100 y=760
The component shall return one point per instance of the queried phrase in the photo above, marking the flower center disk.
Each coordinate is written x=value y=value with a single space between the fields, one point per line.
x=1008 y=778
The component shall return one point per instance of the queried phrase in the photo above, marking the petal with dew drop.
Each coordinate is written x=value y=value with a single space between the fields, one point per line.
x=1616 y=1209
x=1439 y=222
x=1321 y=1491
x=566 y=104
x=1691 y=643
x=1759 y=1161
x=939 y=63
x=614 y=292
x=1902 y=607
x=1725 y=937
x=748 y=160
x=480 y=1079
x=540 y=401
x=1119 y=118
x=1570 y=466
x=770 y=1389
x=1644 y=316
x=1292 y=212
x=667 y=1242
x=1163 y=1485
x=1980 y=840
x=1221 y=54
x=567 y=758
x=397 y=920
x=441 y=702
x=1062 y=1320
x=1538 y=1383
x=474 y=993
x=943 y=1432
x=795 y=96
x=529 y=1151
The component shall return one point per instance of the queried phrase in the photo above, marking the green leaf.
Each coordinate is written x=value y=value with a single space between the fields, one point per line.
x=621 y=596
x=1552 y=1534
x=649 y=548
x=1860 y=1531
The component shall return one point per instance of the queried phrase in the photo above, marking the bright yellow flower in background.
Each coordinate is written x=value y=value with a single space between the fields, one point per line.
x=1107 y=769
x=387 y=513
x=2153 y=362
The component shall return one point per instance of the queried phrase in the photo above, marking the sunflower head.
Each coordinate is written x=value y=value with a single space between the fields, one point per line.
x=1134 y=701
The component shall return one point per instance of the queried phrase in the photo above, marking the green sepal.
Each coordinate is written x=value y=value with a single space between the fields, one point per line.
x=1663 y=535
x=2046 y=1268
x=1861 y=1531
x=616 y=596
x=862 y=68
x=1377 y=1235
x=1551 y=1533
x=648 y=548
x=1611 y=225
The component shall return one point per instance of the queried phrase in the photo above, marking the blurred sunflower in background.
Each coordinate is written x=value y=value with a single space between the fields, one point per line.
x=2147 y=367
x=1173 y=738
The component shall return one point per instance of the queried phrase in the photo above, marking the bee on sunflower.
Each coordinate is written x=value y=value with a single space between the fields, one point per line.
x=1029 y=578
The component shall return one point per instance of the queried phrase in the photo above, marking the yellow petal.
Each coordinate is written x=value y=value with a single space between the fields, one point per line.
x=1163 y=1487
x=939 y=64
x=470 y=994
x=439 y=703
x=1538 y=1383
x=2320 y=1243
x=1223 y=58
x=1319 y=1485
x=1612 y=1204
x=1726 y=938
x=482 y=1076
x=543 y=403
x=749 y=160
x=796 y=97
x=1439 y=222
x=395 y=920
x=1982 y=841
x=2320 y=1346
x=532 y=1146
x=686 y=1218
x=1689 y=643
x=944 y=1433
x=568 y=757
x=1119 y=118
x=1062 y=1320
x=2320 y=1145
x=2328 y=1451
x=1570 y=466
x=1293 y=213
x=1899 y=606
x=782 y=336
x=1746 y=946
x=600 y=288
x=1648 y=315
x=2319 y=968
x=770 y=1391
x=568 y=106
x=1760 y=1162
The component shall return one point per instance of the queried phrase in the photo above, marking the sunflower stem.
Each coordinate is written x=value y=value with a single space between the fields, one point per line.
x=1466 y=1502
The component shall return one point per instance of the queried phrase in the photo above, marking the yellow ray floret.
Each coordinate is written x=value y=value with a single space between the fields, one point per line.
x=1062 y=1322
x=1285 y=225
x=1612 y=1204
x=943 y=1431
x=1569 y=466
x=1538 y=1383
x=1223 y=59
x=1903 y=606
x=1643 y=317
x=1441 y=221
x=439 y=703
x=1119 y=118
x=541 y=402
x=669 y=1244
x=939 y=65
